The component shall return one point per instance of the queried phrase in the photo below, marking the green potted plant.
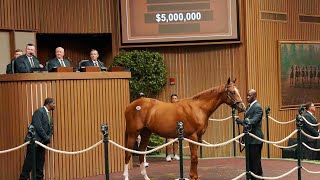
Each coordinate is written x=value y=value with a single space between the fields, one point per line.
x=148 y=72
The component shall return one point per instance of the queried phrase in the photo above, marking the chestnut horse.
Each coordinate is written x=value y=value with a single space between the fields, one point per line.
x=145 y=116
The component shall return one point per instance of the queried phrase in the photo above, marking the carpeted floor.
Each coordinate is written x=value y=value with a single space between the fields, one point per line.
x=214 y=169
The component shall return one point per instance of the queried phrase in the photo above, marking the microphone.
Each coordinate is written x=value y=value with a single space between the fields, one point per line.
x=69 y=58
x=71 y=62
x=32 y=54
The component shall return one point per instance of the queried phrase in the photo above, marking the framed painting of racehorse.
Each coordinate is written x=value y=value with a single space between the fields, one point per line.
x=299 y=73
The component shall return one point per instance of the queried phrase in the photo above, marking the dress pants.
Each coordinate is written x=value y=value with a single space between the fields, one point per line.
x=27 y=165
x=255 y=159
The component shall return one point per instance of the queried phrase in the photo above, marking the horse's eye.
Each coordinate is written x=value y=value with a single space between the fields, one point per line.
x=233 y=92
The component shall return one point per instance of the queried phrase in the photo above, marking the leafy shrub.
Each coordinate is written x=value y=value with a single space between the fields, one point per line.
x=155 y=141
x=147 y=70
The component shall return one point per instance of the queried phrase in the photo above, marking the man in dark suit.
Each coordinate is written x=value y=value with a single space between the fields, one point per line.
x=10 y=68
x=253 y=121
x=58 y=61
x=42 y=122
x=25 y=63
x=311 y=130
x=94 y=59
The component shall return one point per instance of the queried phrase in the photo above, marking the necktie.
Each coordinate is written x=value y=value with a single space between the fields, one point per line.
x=31 y=62
x=49 y=117
x=96 y=63
x=62 y=63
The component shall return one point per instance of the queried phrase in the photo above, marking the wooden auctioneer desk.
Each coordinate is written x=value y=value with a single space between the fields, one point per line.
x=83 y=102
x=63 y=69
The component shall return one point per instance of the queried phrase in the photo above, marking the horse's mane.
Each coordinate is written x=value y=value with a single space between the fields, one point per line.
x=207 y=94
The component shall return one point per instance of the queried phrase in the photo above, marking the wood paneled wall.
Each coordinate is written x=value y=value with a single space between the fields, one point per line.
x=17 y=14
x=75 y=16
x=83 y=102
x=262 y=38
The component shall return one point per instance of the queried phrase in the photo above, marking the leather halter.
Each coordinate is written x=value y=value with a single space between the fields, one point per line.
x=234 y=101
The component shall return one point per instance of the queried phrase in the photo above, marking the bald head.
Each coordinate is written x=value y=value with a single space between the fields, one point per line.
x=251 y=95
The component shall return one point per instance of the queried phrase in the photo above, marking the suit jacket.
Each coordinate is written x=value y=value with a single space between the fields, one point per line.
x=52 y=63
x=43 y=128
x=22 y=64
x=9 y=69
x=254 y=114
x=311 y=130
x=90 y=63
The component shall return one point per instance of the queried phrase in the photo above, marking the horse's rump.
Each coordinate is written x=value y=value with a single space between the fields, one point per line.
x=145 y=112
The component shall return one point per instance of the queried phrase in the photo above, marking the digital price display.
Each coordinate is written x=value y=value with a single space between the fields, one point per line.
x=160 y=21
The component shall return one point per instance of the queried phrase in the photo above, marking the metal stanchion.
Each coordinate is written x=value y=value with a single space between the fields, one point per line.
x=299 y=123
x=267 y=122
x=31 y=133
x=233 y=112
x=105 y=132
x=180 y=137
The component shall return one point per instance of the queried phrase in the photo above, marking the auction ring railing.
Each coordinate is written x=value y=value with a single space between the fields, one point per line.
x=246 y=134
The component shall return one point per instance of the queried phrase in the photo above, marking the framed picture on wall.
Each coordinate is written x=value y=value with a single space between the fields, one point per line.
x=299 y=75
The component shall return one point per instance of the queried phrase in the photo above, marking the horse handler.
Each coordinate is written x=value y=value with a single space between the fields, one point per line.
x=253 y=120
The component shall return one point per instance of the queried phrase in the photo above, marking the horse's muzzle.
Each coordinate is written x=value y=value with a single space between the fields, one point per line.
x=240 y=106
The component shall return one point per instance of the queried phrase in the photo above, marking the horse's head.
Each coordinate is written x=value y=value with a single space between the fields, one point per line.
x=233 y=96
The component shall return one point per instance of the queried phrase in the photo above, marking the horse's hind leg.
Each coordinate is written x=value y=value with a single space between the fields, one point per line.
x=145 y=135
x=130 y=140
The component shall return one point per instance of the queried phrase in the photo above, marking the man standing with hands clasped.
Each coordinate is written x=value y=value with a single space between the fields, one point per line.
x=253 y=121
x=43 y=125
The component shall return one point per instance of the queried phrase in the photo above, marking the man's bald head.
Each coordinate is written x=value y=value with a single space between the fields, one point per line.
x=251 y=95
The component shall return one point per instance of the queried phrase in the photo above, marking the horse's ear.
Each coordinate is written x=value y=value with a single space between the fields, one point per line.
x=228 y=81
x=234 y=81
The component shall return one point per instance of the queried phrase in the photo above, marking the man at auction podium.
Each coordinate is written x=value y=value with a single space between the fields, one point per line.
x=25 y=63
x=94 y=59
x=58 y=61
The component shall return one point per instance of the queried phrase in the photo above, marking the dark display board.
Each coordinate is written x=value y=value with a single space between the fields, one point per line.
x=160 y=21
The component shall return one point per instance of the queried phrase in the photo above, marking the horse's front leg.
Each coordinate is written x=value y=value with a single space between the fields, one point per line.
x=194 y=162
